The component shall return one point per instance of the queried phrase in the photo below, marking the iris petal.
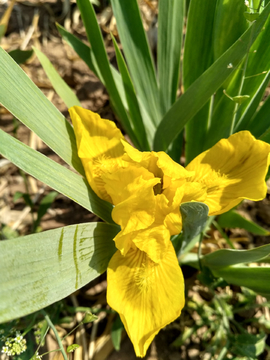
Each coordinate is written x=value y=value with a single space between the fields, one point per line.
x=232 y=170
x=99 y=146
x=147 y=295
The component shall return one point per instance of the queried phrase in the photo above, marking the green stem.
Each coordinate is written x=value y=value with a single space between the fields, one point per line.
x=218 y=227
x=81 y=323
x=200 y=251
x=56 y=334
x=41 y=340
x=223 y=352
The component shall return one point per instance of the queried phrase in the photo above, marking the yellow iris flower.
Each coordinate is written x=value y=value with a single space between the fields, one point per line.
x=145 y=282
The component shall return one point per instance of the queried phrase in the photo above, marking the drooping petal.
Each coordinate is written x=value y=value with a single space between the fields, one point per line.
x=147 y=295
x=232 y=170
x=99 y=146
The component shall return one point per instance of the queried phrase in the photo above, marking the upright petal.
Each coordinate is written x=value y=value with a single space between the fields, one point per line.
x=232 y=170
x=147 y=295
x=99 y=146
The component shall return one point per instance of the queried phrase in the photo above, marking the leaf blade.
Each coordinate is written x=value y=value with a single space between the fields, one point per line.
x=51 y=265
x=56 y=176
x=254 y=278
x=60 y=86
x=202 y=89
x=39 y=114
x=101 y=61
x=170 y=28
x=138 y=56
x=134 y=109
x=232 y=219
x=228 y=257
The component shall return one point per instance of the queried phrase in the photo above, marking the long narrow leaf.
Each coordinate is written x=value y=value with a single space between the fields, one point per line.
x=259 y=124
x=56 y=176
x=232 y=219
x=252 y=105
x=40 y=269
x=257 y=75
x=170 y=28
x=60 y=86
x=99 y=52
x=251 y=81
x=134 y=109
x=198 y=45
x=28 y=104
x=255 y=278
x=227 y=257
x=86 y=54
x=138 y=56
x=202 y=89
x=230 y=23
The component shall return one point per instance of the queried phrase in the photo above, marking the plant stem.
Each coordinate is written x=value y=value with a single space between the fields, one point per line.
x=223 y=352
x=56 y=334
x=216 y=225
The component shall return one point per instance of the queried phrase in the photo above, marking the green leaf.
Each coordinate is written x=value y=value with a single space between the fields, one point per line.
x=137 y=54
x=254 y=278
x=86 y=54
x=2 y=30
x=26 y=197
x=198 y=56
x=257 y=76
x=251 y=16
x=239 y=99
x=17 y=195
x=170 y=27
x=233 y=219
x=230 y=24
x=202 y=89
x=7 y=233
x=44 y=205
x=135 y=113
x=84 y=51
x=198 y=52
x=226 y=257
x=259 y=125
x=20 y=56
x=116 y=333
x=38 y=270
x=101 y=60
x=252 y=80
x=89 y=317
x=62 y=89
x=56 y=176
x=248 y=345
x=27 y=103
x=72 y=348
x=194 y=218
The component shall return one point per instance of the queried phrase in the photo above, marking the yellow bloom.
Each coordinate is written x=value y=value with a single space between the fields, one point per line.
x=145 y=282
